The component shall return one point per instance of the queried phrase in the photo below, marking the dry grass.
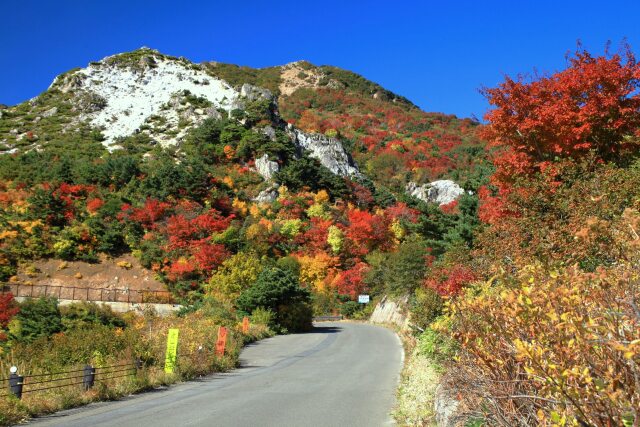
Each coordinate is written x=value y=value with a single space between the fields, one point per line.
x=416 y=392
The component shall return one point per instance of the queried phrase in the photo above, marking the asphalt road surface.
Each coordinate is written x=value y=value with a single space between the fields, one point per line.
x=341 y=374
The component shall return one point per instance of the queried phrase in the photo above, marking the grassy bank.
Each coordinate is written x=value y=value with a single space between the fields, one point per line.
x=425 y=356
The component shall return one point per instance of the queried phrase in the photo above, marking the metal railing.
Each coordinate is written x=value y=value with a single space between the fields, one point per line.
x=327 y=318
x=18 y=385
x=87 y=294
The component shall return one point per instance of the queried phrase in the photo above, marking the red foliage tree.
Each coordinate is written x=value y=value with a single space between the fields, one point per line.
x=208 y=256
x=593 y=105
x=93 y=205
x=450 y=208
x=182 y=231
x=8 y=309
x=367 y=231
x=314 y=239
x=351 y=282
x=147 y=215
x=181 y=269
x=401 y=211
x=448 y=281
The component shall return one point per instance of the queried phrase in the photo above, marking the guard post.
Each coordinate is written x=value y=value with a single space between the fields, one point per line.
x=88 y=377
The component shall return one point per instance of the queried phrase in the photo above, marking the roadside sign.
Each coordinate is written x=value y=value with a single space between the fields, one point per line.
x=363 y=299
x=172 y=351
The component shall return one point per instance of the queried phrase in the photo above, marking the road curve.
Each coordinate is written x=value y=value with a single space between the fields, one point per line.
x=341 y=374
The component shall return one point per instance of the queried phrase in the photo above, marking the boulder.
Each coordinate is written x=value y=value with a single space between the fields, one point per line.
x=269 y=132
x=441 y=192
x=269 y=195
x=445 y=406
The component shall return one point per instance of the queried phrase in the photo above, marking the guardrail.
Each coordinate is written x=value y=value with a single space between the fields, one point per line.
x=326 y=318
x=18 y=385
x=87 y=294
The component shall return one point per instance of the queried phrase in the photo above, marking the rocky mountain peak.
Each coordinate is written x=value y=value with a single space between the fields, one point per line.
x=121 y=93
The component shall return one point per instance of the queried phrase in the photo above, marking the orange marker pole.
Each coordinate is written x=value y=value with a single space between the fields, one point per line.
x=245 y=325
x=222 y=341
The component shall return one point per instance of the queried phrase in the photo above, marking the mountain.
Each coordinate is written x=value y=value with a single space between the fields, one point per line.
x=187 y=166
x=156 y=99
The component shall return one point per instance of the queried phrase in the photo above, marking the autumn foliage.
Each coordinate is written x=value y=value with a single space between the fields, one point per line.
x=548 y=326
x=592 y=106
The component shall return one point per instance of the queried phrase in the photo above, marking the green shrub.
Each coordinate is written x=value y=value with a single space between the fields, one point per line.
x=349 y=308
x=426 y=306
x=263 y=316
x=279 y=290
x=80 y=314
x=296 y=317
x=436 y=346
x=37 y=318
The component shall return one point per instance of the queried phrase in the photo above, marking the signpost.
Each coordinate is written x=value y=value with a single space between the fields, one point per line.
x=363 y=299
x=222 y=341
x=172 y=351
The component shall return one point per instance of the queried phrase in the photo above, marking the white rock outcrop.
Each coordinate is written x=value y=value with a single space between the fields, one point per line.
x=329 y=151
x=253 y=93
x=129 y=96
x=149 y=96
x=266 y=167
x=441 y=192
x=269 y=195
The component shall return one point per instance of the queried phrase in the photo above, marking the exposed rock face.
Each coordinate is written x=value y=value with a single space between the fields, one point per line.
x=253 y=93
x=269 y=195
x=390 y=311
x=296 y=75
x=133 y=95
x=165 y=97
x=440 y=192
x=50 y=112
x=266 y=167
x=329 y=151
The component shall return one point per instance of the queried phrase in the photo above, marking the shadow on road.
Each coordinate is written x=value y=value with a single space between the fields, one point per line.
x=324 y=329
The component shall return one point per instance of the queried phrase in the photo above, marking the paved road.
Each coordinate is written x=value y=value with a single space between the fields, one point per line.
x=341 y=374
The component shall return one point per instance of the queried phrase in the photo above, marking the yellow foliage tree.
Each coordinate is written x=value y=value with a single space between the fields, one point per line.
x=315 y=268
x=236 y=274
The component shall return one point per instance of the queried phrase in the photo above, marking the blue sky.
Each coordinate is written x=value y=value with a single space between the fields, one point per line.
x=436 y=53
